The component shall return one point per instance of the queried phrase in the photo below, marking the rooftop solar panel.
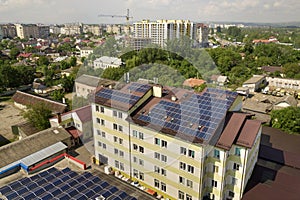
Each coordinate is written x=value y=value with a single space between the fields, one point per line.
x=15 y=185
x=97 y=188
x=104 y=184
x=64 y=196
x=48 y=186
x=66 y=170
x=44 y=173
x=80 y=179
x=29 y=195
x=65 y=187
x=12 y=195
x=87 y=174
x=32 y=185
x=112 y=189
x=118 y=96
x=138 y=87
x=55 y=191
x=41 y=181
x=95 y=179
x=52 y=170
x=90 y=193
x=105 y=193
x=38 y=191
x=72 y=192
x=5 y=190
x=64 y=178
x=25 y=180
x=57 y=182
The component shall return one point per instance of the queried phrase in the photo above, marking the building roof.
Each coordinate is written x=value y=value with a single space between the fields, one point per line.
x=193 y=82
x=257 y=106
x=17 y=150
x=254 y=79
x=231 y=131
x=191 y=116
x=271 y=69
x=248 y=133
x=84 y=113
x=222 y=79
x=94 y=81
x=289 y=100
x=109 y=60
x=74 y=132
x=29 y=100
x=86 y=48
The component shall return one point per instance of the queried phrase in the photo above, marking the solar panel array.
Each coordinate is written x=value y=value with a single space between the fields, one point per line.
x=62 y=184
x=118 y=96
x=197 y=115
x=138 y=87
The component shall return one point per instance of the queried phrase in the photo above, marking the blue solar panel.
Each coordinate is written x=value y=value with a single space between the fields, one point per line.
x=138 y=87
x=80 y=197
x=41 y=181
x=25 y=180
x=72 y=182
x=55 y=191
x=64 y=178
x=29 y=195
x=32 y=185
x=5 y=190
x=105 y=193
x=15 y=185
x=104 y=184
x=48 y=186
x=65 y=187
x=95 y=179
x=12 y=195
x=118 y=96
x=64 y=196
x=122 y=194
x=97 y=188
x=66 y=170
x=72 y=192
x=90 y=193
x=80 y=179
x=57 y=182
x=38 y=191
x=87 y=174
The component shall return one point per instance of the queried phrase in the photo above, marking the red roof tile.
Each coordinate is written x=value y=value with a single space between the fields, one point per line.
x=74 y=132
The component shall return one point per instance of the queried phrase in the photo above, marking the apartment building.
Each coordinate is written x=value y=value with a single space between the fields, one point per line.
x=161 y=31
x=105 y=62
x=94 y=29
x=72 y=29
x=202 y=35
x=8 y=30
x=32 y=31
x=175 y=142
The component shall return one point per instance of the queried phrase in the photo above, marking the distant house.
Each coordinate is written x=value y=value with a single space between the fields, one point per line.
x=264 y=41
x=86 y=51
x=77 y=122
x=219 y=80
x=243 y=91
x=106 y=62
x=23 y=100
x=24 y=56
x=272 y=70
x=193 y=82
x=86 y=84
x=255 y=83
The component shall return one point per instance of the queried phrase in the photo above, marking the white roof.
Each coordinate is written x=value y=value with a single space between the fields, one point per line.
x=43 y=154
x=109 y=60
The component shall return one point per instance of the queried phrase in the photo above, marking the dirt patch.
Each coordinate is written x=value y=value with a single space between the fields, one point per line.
x=9 y=115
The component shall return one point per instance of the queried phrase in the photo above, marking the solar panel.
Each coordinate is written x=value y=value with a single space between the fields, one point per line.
x=65 y=187
x=25 y=180
x=97 y=188
x=105 y=193
x=41 y=181
x=64 y=178
x=66 y=170
x=5 y=190
x=15 y=185
x=44 y=173
x=90 y=193
x=49 y=177
x=55 y=191
x=122 y=194
x=104 y=184
x=95 y=179
x=57 y=182
x=138 y=87
x=72 y=192
x=80 y=197
x=112 y=189
x=64 y=196
x=52 y=170
x=80 y=179
x=12 y=195
x=87 y=174
x=38 y=191
x=29 y=195
x=48 y=186
x=118 y=96
x=32 y=185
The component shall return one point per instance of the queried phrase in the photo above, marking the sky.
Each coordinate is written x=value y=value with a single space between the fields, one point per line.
x=67 y=11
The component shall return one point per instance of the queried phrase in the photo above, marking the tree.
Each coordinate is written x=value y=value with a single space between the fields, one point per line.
x=57 y=95
x=287 y=119
x=43 y=60
x=73 y=61
x=38 y=115
x=14 y=52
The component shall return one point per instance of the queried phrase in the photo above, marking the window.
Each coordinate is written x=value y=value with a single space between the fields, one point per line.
x=120 y=128
x=102 y=109
x=190 y=169
x=189 y=183
x=141 y=135
x=216 y=153
x=97 y=108
x=120 y=141
x=135 y=173
x=102 y=122
x=135 y=147
x=156 y=183
x=115 y=126
x=157 y=155
x=163 y=172
x=134 y=133
x=237 y=151
x=191 y=153
x=231 y=194
x=116 y=151
x=104 y=146
x=236 y=166
x=117 y=164
x=214 y=183
x=98 y=120
x=78 y=125
x=141 y=162
x=215 y=169
x=134 y=159
x=182 y=165
x=181 y=180
x=180 y=195
x=156 y=169
x=163 y=158
x=141 y=175
x=164 y=143
x=115 y=113
x=189 y=197
x=157 y=141
x=122 y=166
x=115 y=138
x=163 y=187
x=120 y=115
x=141 y=149
x=103 y=134
x=98 y=132
x=233 y=181
x=121 y=153
x=182 y=150
x=99 y=144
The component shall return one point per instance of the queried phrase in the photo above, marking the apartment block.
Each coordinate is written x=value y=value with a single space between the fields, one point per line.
x=8 y=30
x=177 y=143
x=72 y=29
x=32 y=31
x=161 y=31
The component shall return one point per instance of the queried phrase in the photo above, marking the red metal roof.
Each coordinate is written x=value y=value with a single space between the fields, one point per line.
x=249 y=133
x=74 y=132
x=231 y=131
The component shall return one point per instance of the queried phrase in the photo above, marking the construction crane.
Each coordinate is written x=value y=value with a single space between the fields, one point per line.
x=119 y=16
